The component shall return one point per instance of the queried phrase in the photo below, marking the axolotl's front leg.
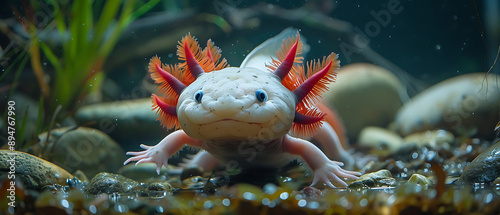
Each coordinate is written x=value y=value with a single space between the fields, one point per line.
x=324 y=169
x=161 y=152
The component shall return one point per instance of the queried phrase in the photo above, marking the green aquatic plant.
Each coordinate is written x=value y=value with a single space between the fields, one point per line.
x=87 y=41
x=75 y=39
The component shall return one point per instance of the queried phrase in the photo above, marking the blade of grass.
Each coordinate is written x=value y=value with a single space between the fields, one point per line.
x=21 y=129
x=123 y=21
x=144 y=9
x=16 y=60
x=108 y=13
x=56 y=63
x=74 y=35
x=84 y=53
x=37 y=66
x=18 y=74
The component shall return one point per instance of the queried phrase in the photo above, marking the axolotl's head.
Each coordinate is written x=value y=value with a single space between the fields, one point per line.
x=211 y=101
x=236 y=103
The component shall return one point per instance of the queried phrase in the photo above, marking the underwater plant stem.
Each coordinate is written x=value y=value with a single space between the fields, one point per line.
x=52 y=120
x=37 y=66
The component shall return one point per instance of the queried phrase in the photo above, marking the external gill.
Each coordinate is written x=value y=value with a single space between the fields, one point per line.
x=307 y=89
x=172 y=79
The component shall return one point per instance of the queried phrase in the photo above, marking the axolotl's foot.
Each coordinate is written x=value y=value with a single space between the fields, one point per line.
x=332 y=170
x=324 y=169
x=151 y=154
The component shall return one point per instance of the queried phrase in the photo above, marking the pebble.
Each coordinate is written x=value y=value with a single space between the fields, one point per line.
x=417 y=179
x=159 y=186
x=105 y=182
x=379 y=141
x=484 y=168
x=374 y=179
x=142 y=171
x=431 y=138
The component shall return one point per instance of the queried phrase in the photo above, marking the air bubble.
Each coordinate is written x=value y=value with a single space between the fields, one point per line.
x=302 y=203
x=226 y=202
x=284 y=196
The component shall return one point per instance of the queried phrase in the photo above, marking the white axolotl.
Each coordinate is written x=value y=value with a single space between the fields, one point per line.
x=245 y=115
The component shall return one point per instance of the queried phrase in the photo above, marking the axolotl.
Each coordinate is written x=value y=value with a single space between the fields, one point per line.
x=226 y=111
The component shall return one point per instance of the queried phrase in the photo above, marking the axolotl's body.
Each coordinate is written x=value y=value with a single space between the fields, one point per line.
x=242 y=115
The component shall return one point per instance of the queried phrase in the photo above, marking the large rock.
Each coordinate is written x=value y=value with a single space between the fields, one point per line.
x=465 y=105
x=364 y=95
x=32 y=171
x=129 y=122
x=86 y=149
x=484 y=168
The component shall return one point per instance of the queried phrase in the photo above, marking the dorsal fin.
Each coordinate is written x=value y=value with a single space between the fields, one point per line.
x=167 y=113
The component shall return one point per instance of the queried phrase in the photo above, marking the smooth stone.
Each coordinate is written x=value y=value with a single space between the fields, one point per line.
x=380 y=141
x=364 y=95
x=374 y=179
x=466 y=105
x=159 y=186
x=484 y=168
x=85 y=149
x=142 y=171
x=433 y=139
x=417 y=179
x=129 y=121
x=105 y=182
x=32 y=171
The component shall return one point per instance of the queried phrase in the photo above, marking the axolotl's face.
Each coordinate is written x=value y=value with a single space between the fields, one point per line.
x=236 y=104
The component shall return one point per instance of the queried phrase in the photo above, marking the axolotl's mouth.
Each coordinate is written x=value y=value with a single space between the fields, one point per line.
x=231 y=128
x=234 y=129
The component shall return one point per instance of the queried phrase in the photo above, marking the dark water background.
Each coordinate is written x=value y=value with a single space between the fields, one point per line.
x=432 y=40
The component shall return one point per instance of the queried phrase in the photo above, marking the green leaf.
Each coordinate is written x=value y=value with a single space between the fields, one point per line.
x=144 y=9
x=56 y=63
x=22 y=128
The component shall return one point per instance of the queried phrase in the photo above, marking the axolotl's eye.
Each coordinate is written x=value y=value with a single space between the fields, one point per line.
x=198 y=95
x=261 y=95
